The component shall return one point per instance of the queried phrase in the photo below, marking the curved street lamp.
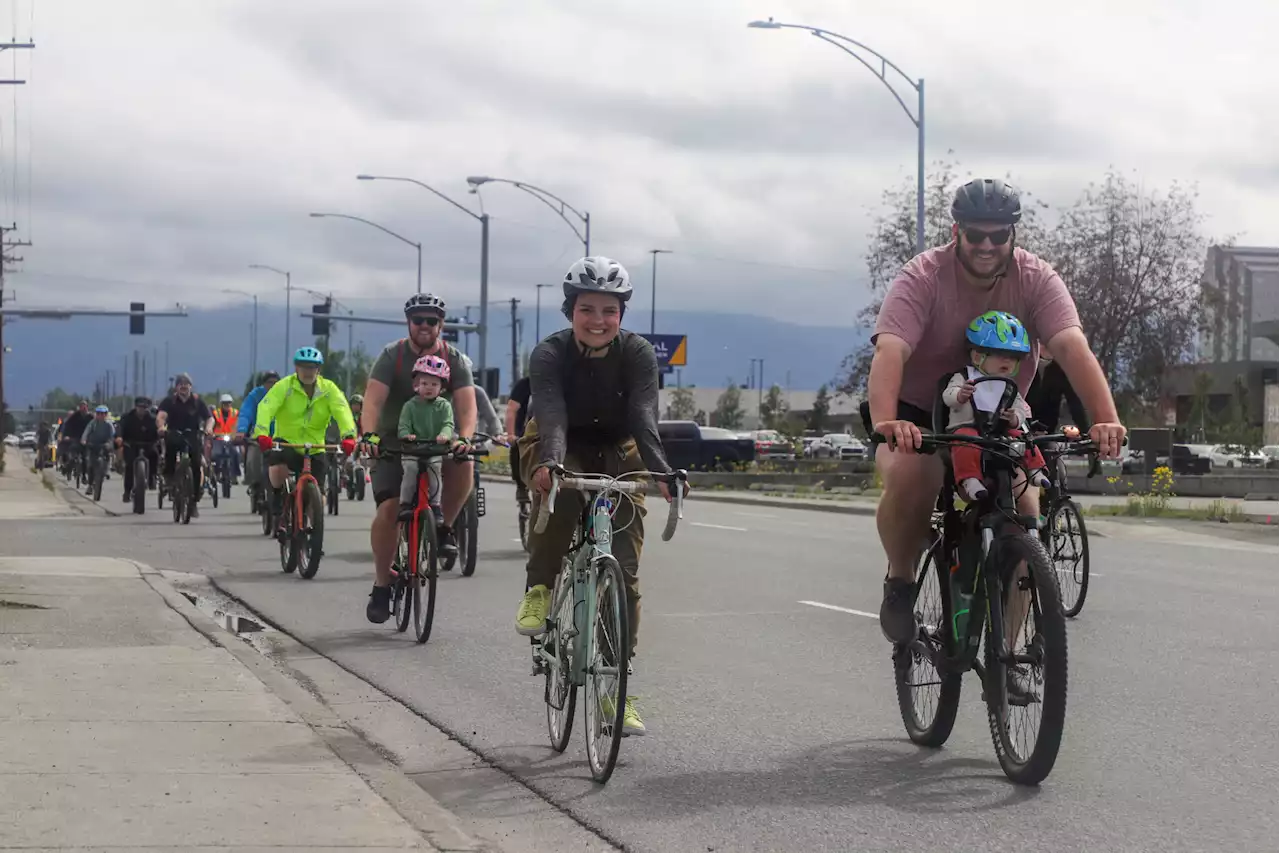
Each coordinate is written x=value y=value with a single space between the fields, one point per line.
x=388 y=231
x=882 y=74
x=253 y=344
x=288 y=294
x=483 y=219
x=551 y=200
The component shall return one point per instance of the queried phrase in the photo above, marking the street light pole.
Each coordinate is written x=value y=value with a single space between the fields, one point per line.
x=253 y=340
x=384 y=230
x=551 y=200
x=537 y=317
x=288 y=301
x=653 y=297
x=881 y=72
x=483 y=219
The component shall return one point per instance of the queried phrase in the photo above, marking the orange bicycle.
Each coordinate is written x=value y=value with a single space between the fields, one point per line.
x=301 y=535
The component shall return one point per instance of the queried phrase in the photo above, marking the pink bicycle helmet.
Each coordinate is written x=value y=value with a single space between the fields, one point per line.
x=432 y=365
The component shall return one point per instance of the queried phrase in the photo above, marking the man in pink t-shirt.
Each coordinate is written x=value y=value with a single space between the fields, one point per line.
x=920 y=337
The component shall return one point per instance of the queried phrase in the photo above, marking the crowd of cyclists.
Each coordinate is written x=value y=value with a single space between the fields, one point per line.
x=978 y=305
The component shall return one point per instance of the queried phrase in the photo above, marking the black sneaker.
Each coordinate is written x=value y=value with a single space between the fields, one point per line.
x=127 y=497
x=448 y=541
x=379 y=608
x=897 y=614
x=1019 y=696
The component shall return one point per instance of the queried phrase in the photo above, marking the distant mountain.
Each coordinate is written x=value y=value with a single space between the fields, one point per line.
x=213 y=346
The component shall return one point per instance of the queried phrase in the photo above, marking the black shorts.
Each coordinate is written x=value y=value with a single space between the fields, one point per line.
x=293 y=458
x=906 y=412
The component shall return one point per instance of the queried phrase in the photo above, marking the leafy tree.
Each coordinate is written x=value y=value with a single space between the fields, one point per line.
x=892 y=243
x=700 y=417
x=821 y=410
x=1133 y=260
x=335 y=368
x=773 y=409
x=681 y=406
x=728 y=413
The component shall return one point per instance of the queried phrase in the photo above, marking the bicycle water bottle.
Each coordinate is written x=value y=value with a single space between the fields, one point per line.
x=961 y=601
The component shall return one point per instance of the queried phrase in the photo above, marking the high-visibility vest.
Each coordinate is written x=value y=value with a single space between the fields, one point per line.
x=227 y=425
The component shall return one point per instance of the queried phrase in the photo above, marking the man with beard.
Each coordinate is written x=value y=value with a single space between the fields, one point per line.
x=390 y=386
x=920 y=336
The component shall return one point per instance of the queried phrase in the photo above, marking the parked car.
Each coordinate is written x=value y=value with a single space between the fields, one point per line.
x=771 y=444
x=699 y=448
x=1184 y=460
x=839 y=445
x=27 y=439
x=1272 y=452
x=1230 y=456
x=11 y=440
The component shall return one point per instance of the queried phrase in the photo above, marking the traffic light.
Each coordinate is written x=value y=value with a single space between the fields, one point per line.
x=137 y=320
x=321 y=326
x=450 y=334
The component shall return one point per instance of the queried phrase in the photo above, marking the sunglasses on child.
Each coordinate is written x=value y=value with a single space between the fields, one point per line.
x=427 y=319
x=975 y=236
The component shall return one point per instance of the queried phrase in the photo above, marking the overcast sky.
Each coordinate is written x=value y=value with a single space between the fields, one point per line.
x=173 y=143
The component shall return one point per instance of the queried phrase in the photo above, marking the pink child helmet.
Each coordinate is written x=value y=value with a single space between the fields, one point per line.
x=432 y=365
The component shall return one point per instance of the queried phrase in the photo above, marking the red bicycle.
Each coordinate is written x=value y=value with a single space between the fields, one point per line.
x=416 y=565
x=302 y=542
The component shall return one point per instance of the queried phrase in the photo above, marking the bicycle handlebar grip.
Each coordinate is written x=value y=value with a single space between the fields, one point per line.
x=546 y=507
x=676 y=512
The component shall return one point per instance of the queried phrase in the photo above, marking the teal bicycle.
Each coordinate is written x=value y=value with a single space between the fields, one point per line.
x=586 y=641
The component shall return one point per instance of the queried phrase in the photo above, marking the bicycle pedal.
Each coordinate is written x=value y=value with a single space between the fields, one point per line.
x=480 y=509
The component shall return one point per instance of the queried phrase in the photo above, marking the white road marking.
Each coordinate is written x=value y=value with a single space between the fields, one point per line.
x=718 y=526
x=518 y=541
x=841 y=609
x=1092 y=573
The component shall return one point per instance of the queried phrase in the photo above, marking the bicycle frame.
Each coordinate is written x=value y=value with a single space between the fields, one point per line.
x=303 y=478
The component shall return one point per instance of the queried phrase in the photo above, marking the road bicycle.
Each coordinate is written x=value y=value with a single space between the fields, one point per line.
x=587 y=634
x=300 y=531
x=1062 y=527
x=984 y=568
x=415 y=567
x=466 y=527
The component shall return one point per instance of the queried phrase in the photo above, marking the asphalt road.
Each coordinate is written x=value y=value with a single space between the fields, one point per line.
x=773 y=722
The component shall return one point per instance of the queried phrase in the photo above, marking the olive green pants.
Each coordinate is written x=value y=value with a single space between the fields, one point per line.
x=547 y=549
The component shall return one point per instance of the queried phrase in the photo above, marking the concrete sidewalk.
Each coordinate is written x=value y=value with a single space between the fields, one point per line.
x=126 y=722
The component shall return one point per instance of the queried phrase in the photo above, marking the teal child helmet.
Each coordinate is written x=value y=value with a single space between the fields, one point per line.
x=998 y=331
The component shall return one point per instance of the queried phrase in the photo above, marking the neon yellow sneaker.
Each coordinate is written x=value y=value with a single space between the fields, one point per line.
x=631 y=722
x=531 y=618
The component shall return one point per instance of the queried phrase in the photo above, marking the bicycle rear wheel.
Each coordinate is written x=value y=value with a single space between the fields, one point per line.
x=1067 y=542
x=1027 y=732
x=401 y=600
x=469 y=532
x=331 y=489
x=424 y=611
x=927 y=699
x=140 y=477
x=99 y=472
x=288 y=541
x=215 y=477
x=311 y=531
x=560 y=693
x=606 y=690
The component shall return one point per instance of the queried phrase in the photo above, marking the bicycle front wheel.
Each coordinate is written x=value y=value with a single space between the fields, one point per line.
x=401 y=599
x=927 y=699
x=560 y=694
x=607 y=656
x=1068 y=545
x=1027 y=698
x=99 y=472
x=310 y=531
x=423 y=586
x=468 y=533
x=140 y=476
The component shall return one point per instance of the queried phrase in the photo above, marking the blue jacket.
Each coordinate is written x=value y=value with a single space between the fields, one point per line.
x=249 y=412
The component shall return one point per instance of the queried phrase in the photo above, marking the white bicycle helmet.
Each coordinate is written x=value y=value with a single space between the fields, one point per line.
x=424 y=302
x=596 y=274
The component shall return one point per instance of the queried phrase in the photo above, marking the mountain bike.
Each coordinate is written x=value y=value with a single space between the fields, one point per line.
x=181 y=490
x=416 y=564
x=333 y=482
x=357 y=481
x=221 y=448
x=301 y=533
x=586 y=641
x=466 y=527
x=141 y=474
x=984 y=568
x=99 y=459
x=1063 y=529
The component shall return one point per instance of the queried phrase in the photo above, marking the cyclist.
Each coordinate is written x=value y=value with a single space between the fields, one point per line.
x=254 y=471
x=182 y=411
x=70 y=432
x=390 y=386
x=225 y=419
x=43 y=436
x=98 y=435
x=920 y=336
x=137 y=434
x=517 y=414
x=487 y=420
x=301 y=408
x=356 y=403
x=595 y=389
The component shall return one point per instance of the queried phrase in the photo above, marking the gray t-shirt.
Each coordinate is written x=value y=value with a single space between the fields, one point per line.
x=394 y=368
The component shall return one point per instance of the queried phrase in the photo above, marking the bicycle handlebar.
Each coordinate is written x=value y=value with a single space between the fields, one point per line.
x=596 y=483
x=285 y=445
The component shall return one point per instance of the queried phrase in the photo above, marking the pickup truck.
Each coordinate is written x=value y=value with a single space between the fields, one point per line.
x=699 y=448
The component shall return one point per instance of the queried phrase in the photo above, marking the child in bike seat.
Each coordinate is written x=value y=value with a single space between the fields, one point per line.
x=425 y=417
x=998 y=343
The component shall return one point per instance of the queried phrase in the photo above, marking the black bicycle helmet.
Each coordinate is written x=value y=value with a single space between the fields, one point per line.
x=987 y=200
x=424 y=302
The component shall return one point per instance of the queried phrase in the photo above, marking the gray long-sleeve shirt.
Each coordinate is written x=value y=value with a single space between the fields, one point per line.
x=486 y=418
x=98 y=433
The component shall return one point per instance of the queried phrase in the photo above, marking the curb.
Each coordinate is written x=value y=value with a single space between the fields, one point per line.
x=430 y=819
x=83 y=504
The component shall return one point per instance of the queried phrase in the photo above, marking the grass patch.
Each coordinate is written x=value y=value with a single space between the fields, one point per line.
x=1147 y=506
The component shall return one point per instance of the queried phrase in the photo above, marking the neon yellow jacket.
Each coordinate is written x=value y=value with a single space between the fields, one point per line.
x=301 y=419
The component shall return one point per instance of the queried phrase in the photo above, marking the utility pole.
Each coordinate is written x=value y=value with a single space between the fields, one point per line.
x=5 y=260
x=515 y=340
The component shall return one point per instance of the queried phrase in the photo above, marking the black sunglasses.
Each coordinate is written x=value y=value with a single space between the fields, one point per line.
x=997 y=238
x=428 y=319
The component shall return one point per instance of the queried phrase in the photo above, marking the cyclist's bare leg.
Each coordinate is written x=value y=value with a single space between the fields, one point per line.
x=382 y=539
x=911 y=484
x=278 y=474
x=1020 y=601
x=457 y=480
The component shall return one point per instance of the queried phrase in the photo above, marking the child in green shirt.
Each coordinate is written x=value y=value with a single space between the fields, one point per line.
x=426 y=417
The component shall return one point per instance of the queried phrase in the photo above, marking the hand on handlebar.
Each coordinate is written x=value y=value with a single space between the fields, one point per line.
x=900 y=435
x=348 y=446
x=965 y=394
x=1109 y=437
x=264 y=443
x=542 y=479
